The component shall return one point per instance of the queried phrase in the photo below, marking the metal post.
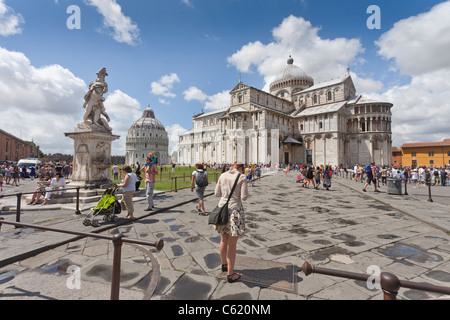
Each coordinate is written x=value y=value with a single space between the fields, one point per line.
x=406 y=188
x=390 y=285
x=428 y=181
x=175 y=184
x=77 y=211
x=115 y=282
x=19 y=199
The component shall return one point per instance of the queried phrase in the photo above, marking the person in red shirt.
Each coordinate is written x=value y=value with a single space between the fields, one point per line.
x=150 y=170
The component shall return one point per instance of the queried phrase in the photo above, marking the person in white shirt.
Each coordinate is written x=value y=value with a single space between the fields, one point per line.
x=57 y=183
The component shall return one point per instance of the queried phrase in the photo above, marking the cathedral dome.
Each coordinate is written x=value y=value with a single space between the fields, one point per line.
x=147 y=135
x=290 y=78
x=148 y=121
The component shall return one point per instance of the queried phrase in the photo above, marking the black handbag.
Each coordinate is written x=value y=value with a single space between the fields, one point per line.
x=219 y=216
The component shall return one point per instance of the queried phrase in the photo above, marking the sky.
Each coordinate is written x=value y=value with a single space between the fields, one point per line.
x=183 y=56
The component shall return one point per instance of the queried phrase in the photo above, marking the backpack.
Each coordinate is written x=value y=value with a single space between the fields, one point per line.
x=201 y=179
x=368 y=169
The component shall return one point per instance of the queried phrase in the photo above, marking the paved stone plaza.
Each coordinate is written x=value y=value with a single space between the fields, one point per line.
x=343 y=229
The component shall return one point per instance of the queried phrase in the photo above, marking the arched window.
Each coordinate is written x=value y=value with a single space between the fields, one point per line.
x=315 y=98
x=330 y=96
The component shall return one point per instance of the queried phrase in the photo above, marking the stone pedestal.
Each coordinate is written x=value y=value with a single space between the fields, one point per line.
x=92 y=155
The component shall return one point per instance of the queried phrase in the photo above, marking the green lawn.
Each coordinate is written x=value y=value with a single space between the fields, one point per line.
x=165 y=180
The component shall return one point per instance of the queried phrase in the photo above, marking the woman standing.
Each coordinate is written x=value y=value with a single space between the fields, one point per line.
x=327 y=178
x=128 y=186
x=199 y=181
x=231 y=232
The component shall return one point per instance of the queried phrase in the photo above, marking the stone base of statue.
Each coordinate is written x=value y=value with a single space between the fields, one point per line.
x=92 y=155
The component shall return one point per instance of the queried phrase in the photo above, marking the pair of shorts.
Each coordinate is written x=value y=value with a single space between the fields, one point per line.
x=370 y=178
x=200 y=191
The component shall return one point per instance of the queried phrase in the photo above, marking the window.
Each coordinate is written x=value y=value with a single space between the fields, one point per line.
x=315 y=98
x=448 y=153
x=431 y=154
x=240 y=99
x=431 y=162
x=282 y=95
x=301 y=127
x=320 y=125
x=413 y=154
x=330 y=96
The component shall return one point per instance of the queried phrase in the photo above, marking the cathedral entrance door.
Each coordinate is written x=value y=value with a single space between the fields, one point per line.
x=309 y=156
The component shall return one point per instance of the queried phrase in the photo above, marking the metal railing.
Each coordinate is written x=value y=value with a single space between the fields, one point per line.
x=389 y=282
x=117 y=240
x=19 y=199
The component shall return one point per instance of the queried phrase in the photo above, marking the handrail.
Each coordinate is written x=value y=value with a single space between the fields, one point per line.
x=389 y=282
x=117 y=240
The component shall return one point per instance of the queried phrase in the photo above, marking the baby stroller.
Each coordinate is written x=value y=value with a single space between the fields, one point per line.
x=108 y=206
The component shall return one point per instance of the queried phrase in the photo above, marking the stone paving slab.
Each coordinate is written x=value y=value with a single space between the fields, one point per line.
x=343 y=229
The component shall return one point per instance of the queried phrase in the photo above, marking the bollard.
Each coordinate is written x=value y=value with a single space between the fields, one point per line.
x=429 y=193
x=19 y=199
x=77 y=210
x=115 y=282
x=390 y=285
x=175 y=184
x=406 y=189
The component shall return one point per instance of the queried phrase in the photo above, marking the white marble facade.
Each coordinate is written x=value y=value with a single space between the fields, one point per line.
x=297 y=122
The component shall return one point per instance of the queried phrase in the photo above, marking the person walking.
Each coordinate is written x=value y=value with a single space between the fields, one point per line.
x=128 y=186
x=310 y=176
x=199 y=181
x=150 y=170
x=369 y=170
x=231 y=231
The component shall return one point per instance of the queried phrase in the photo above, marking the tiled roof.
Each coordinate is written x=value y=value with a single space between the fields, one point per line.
x=445 y=143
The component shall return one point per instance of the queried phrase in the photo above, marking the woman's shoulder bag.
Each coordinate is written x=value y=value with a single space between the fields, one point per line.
x=219 y=216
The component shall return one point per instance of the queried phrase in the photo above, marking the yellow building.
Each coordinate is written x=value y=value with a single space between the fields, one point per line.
x=436 y=154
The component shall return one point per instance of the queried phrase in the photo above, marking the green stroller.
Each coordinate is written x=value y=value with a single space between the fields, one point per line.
x=108 y=206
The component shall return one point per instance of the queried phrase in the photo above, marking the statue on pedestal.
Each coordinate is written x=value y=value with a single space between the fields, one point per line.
x=94 y=103
x=93 y=138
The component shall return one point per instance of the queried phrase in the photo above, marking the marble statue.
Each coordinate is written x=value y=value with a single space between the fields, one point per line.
x=94 y=102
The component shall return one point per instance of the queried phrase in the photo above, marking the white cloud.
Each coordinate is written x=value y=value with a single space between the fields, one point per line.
x=124 y=30
x=299 y=38
x=188 y=3
x=173 y=131
x=9 y=21
x=39 y=104
x=421 y=108
x=123 y=111
x=217 y=101
x=163 y=86
x=194 y=93
x=421 y=43
x=416 y=46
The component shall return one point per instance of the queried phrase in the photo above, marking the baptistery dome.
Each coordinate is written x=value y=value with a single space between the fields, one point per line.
x=147 y=135
x=291 y=79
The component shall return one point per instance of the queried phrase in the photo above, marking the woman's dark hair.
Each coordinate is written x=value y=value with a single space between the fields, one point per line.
x=127 y=169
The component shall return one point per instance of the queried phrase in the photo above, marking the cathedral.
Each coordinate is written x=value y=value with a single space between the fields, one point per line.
x=146 y=135
x=298 y=121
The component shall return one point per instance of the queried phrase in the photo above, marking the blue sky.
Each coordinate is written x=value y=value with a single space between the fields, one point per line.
x=181 y=56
